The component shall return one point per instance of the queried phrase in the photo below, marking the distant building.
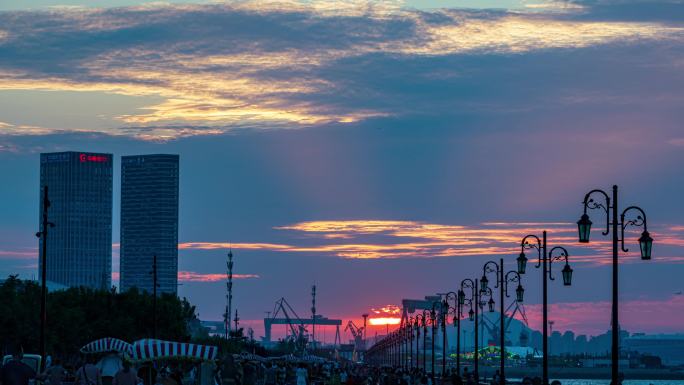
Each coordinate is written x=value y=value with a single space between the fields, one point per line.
x=79 y=247
x=669 y=347
x=568 y=342
x=149 y=222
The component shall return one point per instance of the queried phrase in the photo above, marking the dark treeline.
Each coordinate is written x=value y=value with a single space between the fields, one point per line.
x=79 y=315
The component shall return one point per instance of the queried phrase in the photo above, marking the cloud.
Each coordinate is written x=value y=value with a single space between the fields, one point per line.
x=678 y=142
x=375 y=239
x=191 y=276
x=23 y=253
x=265 y=65
x=395 y=239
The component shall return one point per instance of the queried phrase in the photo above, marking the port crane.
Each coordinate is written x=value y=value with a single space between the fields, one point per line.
x=357 y=332
x=284 y=314
x=288 y=316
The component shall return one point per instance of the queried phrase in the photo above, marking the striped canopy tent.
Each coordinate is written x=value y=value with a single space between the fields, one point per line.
x=150 y=349
x=108 y=344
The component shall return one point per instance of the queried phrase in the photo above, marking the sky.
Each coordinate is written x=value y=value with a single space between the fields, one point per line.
x=378 y=149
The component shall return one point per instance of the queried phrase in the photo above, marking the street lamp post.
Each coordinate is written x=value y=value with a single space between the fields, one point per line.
x=425 y=321
x=43 y=233
x=410 y=334
x=545 y=260
x=404 y=347
x=482 y=295
x=445 y=313
x=502 y=281
x=645 y=245
x=457 y=324
x=433 y=324
x=421 y=320
x=473 y=315
x=405 y=340
x=416 y=325
x=443 y=321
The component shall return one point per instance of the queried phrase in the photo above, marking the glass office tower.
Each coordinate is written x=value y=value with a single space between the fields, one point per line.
x=149 y=222
x=79 y=247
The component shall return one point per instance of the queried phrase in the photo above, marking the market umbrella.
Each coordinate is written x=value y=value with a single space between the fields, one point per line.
x=108 y=344
x=151 y=349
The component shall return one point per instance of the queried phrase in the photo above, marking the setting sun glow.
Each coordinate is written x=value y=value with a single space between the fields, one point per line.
x=384 y=321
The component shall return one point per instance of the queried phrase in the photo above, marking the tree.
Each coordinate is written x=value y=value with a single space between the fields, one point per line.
x=77 y=316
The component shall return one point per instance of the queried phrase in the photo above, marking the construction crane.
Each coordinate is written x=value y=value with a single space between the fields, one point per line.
x=357 y=332
x=298 y=332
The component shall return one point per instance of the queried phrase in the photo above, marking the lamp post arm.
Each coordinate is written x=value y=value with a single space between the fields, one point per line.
x=525 y=244
x=563 y=254
x=639 y=221
x=591 y=204
x=515 y=278
x=487 y=268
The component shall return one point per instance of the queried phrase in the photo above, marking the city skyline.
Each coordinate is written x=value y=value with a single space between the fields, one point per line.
x=380 y=150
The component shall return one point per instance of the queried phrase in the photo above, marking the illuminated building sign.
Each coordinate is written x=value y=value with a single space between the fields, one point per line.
x=93 y=158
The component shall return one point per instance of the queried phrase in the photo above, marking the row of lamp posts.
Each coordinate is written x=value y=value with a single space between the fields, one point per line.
x=397 y=348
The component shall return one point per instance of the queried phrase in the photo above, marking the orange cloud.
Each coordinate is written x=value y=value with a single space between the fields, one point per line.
x=375 y=239
x=387 y=309
x=191 y=276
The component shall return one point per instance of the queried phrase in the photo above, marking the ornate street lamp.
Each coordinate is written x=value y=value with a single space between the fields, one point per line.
x=446 y=309
x=522 y=262
x=501 y=282
x=567 y=275
x=519 y=292
x=425 y=323
x=420 y=323
x=473 y=301
x=645 y=246
x=545 y=262
x=433 y=323
x=584 y=228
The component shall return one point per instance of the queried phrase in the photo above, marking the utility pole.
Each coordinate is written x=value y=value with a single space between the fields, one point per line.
x=237 y=320
x=154 y=297
x=43 y=279
x=229 y=295
x=313 y=316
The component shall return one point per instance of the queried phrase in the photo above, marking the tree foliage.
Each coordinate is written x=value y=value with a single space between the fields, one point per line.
x=80 y=315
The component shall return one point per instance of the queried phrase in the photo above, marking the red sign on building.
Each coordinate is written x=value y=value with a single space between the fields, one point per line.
x=93 y=158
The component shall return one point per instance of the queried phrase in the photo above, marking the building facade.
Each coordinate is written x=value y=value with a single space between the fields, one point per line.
x=79 y=247
x=149 y=222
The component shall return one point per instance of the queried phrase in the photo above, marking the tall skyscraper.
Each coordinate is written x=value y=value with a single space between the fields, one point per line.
x=79 y=247
x=149 y=222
